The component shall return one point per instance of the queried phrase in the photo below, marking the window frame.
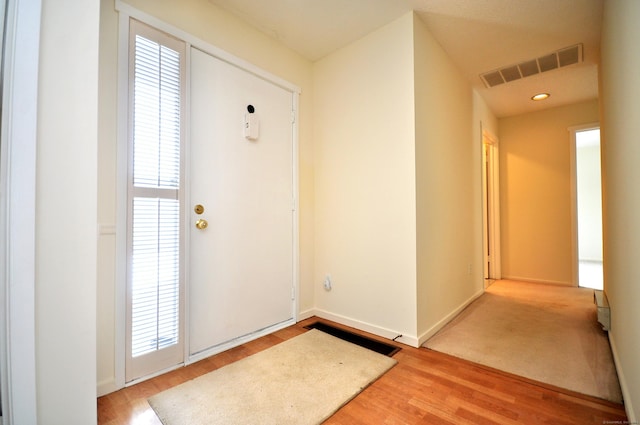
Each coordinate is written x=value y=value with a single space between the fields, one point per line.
x=141 y=367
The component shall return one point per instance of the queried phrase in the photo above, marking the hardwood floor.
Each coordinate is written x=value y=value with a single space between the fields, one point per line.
x=425 y=387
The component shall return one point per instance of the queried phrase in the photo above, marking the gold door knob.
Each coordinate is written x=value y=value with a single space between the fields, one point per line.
x=202 y=224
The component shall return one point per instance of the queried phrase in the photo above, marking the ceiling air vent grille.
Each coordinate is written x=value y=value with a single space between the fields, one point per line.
x=558 y=59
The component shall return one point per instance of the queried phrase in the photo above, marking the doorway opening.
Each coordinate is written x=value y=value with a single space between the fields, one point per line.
x=490 y=208
x=588 y=208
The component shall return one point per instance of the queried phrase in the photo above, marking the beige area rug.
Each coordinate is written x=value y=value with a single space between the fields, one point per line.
x=303 y=380
x=542 y=332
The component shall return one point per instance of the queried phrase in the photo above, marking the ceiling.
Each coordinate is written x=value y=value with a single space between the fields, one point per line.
x=478 y=35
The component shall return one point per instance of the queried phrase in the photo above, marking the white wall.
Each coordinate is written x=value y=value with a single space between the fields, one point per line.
x=398 y=183
x=365 y=181
x=448 y=192
x=66 y=211
x=620 y=127
x=217 y=27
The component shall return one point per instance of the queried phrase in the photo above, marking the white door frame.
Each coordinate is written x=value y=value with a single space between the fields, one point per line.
x=574 y=197
x=491 y=206
x=126 y=12
x=17 y=211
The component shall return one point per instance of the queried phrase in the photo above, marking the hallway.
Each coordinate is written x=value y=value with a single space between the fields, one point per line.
x=547 y=333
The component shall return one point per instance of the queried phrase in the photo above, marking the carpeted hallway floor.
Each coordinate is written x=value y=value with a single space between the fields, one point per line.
x=542 y=332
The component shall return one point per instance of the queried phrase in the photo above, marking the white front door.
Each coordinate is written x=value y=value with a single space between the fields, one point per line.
x=241 y=265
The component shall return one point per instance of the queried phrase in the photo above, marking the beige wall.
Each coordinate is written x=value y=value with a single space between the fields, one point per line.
x=365 y=181
x=211 y=24
x=620 y=127
x=66 y=198
x=535 y=192
x=448 y=147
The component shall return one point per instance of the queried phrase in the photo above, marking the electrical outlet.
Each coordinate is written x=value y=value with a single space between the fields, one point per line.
x=327 y=282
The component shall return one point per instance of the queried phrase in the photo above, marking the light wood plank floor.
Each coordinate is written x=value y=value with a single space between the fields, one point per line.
x=426 y=387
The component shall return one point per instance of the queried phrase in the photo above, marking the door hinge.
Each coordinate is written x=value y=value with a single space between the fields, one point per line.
x=293 y=204
x=293 y=117
x=293 y=293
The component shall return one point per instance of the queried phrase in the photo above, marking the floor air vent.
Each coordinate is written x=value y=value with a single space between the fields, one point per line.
x=558 y=59
x=377 y=346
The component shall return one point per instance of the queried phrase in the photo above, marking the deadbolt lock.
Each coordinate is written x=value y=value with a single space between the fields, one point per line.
x=199 y=209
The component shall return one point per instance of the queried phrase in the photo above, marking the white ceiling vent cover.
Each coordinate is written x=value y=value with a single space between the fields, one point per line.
x=558 y=59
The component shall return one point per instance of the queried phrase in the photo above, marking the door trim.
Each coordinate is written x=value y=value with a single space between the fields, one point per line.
x=491 y=204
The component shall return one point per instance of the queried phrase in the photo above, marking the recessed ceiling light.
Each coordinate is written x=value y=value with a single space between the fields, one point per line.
x=540 y=96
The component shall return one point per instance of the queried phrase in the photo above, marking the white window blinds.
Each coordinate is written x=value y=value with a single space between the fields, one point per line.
x=154 y=197
x=156 y=116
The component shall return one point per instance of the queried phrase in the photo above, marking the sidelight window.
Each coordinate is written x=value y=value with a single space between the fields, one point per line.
x=154 y=275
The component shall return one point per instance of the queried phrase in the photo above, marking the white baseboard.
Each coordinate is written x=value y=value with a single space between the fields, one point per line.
x=449 y=317
x=397 y=336
x=530 y=280
x=489 y=282
x=590 y=260
x=364 y=326
x=107 y=386
x=303 y=315
x=626 y=396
